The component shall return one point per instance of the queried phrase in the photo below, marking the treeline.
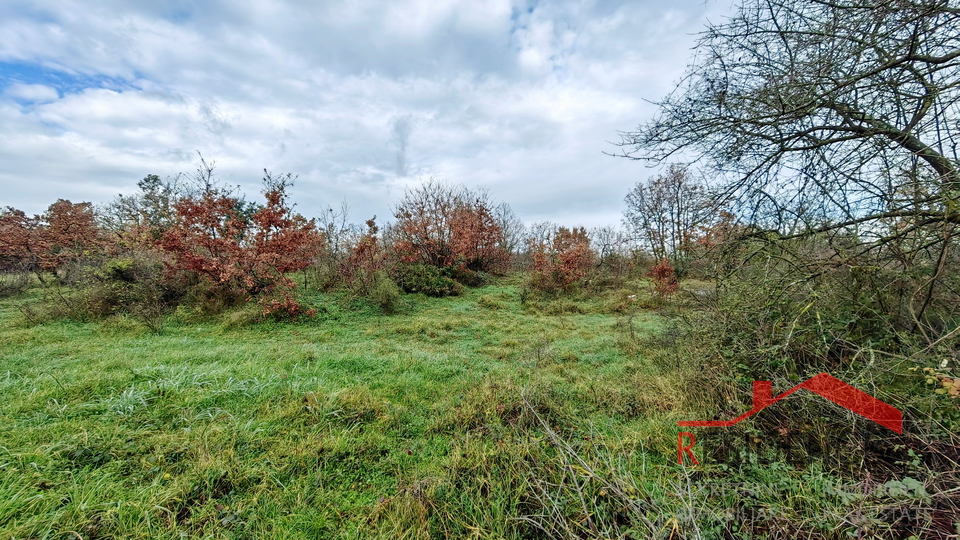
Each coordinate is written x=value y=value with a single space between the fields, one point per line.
x=193 y=241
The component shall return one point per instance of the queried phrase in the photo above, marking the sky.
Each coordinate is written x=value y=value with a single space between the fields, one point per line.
x=361 y=99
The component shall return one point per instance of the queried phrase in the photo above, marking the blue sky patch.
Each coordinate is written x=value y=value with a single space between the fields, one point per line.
x=65 y=82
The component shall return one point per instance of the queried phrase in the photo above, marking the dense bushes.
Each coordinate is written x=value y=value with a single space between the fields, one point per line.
x=561 y=261
x=240 y=256
x=426 y=279
x=14 y=283
x=785 y=310
x=169 y=245
x=198 y=246
x=443 y=226
x=63 y=235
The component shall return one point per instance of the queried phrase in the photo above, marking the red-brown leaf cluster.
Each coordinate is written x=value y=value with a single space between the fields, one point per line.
x=65 y=233
x=723 y=229
x=444 y=226
x=239 y=254
x=564 y=260
x=664 y=280
x=367 y=257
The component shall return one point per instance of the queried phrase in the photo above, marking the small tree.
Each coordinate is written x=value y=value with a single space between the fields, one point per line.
x=239 y=254
x=63 y=235
x=664 y=279
x=834 y=118
x=563 y=261
x=367 y=259
x=142 y=218
x=71 y=233
x=443 y=226
x=668 y=213
x=22 y=241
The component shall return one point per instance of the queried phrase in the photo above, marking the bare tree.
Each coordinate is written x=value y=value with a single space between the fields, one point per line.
x=822 y=113
x=608 y=240
x=830 y=117
x=667 y=214
x=512 y=230
x=337 y=230
x=540 y=233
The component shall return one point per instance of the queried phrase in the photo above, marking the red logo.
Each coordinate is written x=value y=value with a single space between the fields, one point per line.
x=824 y=385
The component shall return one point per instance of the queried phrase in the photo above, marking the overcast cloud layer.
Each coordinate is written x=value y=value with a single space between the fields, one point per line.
x=359 y=98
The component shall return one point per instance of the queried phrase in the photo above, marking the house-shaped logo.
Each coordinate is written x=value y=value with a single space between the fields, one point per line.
x=822 y=384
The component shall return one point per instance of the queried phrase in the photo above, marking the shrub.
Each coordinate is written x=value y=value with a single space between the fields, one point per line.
x=385 y=294
x=134 y=283
x=281 y=305
x=367 y=260
x=446 y=226
x=465 y=276
x=426 y=279
x=786 y=310
x=664 y=279
x=563 y=261
x=241 y=254
x=14 y=283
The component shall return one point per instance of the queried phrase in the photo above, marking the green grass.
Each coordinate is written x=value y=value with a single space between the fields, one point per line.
x=466 y=417
x=351 y=425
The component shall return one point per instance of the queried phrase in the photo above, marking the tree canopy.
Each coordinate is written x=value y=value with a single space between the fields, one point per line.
x=822 y=113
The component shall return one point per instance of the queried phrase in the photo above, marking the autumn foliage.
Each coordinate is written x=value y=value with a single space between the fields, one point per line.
x=64 y=234
x=664 y=279
x=563 y=260
x=237 y=256
x=198 y=244
x=443 y=226
x=367 y=258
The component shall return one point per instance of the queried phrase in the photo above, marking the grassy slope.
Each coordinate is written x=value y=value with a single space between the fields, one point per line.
x=354 y=425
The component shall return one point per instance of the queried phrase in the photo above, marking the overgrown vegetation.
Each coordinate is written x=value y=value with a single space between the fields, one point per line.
x=184 y=362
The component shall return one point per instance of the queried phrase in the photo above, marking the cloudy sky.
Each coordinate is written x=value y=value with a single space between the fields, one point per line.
x=358 y=98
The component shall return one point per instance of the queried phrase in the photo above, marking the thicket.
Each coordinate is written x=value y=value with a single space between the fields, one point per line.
x=193 y=246
x=828 y=125
x=196 y=245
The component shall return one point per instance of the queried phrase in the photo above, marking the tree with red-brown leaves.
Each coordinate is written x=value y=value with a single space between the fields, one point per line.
x=206 y=239
x=424 y=229
x=562 y=259
x=724 y=228
x=241 y=255
x=282 y=241
x=367 y=257
x=71 y=233
x=64 y=234
x=22 y=243
x=664 y=279
x=476 y=239
x=443 y=226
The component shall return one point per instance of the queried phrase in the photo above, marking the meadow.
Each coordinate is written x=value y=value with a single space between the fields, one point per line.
x=350 y=425
x=488 y=415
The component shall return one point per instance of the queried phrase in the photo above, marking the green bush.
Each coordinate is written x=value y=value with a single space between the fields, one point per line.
x=429 y=280
x=134 y=284
x=14 y=283
x=385 y=293
x=784 y=311
x=465 y=276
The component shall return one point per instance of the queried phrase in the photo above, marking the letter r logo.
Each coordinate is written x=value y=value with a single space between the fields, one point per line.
x=681 y=449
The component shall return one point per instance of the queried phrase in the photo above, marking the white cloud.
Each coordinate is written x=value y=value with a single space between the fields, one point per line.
x=31 y=92
x=359 y=98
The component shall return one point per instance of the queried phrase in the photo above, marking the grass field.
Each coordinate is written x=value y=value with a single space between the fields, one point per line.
x=351 y=425
x=479 y=416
